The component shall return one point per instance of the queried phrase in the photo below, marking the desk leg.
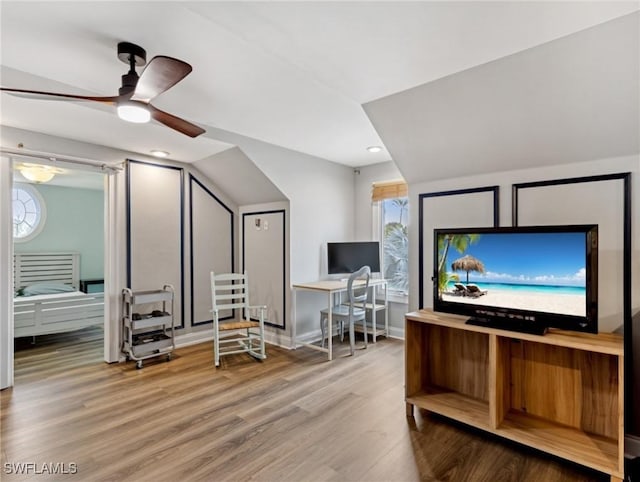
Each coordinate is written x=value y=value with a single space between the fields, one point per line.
x=386 y=311
x=330 y=327
x=373 y=313
x=295 y=319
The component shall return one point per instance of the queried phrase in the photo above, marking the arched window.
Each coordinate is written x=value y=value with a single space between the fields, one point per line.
x=29 y=212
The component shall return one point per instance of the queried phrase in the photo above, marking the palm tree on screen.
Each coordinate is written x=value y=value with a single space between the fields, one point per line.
x=460 y=242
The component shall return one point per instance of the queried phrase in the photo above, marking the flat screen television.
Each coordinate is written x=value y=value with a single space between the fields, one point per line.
x=347 y=257
x=519 y=278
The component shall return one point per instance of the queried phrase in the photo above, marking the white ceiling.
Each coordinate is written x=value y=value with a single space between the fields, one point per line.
x=572 y=100
x=293 y=74
x=240 y=176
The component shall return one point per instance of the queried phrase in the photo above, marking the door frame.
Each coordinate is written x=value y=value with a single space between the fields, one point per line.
x=112 y=269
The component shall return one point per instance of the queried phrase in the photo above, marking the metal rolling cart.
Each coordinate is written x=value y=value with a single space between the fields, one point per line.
x=147 y=332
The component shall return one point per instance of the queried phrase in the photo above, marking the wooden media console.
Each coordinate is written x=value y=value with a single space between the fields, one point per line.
x=560 y=393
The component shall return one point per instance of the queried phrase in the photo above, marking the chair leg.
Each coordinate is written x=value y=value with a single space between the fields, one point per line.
x=263 y=350
x=216 y=349
x=364 y=330
x=352 y=336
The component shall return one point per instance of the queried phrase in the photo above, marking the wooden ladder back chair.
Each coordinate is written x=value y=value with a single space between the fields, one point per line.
x=230 y=291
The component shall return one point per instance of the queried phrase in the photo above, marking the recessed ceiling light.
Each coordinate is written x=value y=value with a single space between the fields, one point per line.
x=374 y=148
x=158 y=153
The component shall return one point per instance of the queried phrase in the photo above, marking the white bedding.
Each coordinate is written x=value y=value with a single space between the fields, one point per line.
x=53 y=296
x=54 y=313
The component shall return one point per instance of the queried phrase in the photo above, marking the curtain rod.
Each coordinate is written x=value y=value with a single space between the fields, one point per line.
x=54 y=158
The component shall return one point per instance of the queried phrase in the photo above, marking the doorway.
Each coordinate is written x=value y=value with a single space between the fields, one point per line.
x=79 y=206
x=58 y=253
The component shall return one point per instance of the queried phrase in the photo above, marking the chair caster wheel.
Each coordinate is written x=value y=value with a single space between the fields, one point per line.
x=169 y=357
x=139 y=365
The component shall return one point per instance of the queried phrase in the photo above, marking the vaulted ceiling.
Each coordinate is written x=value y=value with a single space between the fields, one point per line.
x=294 y=74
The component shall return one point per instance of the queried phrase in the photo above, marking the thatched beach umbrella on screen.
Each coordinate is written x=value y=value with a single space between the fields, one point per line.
x=468 y=263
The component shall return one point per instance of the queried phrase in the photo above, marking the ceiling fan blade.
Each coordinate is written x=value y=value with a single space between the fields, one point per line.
x=36 y=94
x=160 y=74
x=175 y=123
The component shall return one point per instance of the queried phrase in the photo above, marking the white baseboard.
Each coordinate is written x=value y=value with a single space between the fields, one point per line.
x=273 y=338
x=194 y=338
x=281 y=339
x=396 y=332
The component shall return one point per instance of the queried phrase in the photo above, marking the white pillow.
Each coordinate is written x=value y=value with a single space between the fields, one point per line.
x=46 y=289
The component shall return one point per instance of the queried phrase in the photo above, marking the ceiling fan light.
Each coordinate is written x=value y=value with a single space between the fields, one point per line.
x=38 y=174
x=134 y=112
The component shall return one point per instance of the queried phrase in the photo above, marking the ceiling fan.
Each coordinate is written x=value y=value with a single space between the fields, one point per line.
x=133 y=102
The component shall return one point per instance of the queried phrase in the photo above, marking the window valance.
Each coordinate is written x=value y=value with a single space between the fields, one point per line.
x=389 y=190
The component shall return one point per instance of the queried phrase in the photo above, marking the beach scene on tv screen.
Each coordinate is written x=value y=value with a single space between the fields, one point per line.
x=543 y=272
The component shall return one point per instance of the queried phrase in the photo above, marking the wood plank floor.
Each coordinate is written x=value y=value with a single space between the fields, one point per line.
x=293 y=417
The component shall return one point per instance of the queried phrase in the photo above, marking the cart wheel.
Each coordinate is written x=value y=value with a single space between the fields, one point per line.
x=139 y=364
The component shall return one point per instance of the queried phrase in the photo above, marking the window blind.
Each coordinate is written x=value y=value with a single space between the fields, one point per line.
x=389 y=190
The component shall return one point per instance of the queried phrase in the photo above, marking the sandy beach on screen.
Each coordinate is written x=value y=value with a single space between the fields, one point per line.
x=567 y=304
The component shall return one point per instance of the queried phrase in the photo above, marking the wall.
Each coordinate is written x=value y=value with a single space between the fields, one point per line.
x=209 y=222
x=319 y=209
x=320 y=194
x=211 y=235
x=74 y=223
x=387 y=171
x=266 y=257
x=365 y=176
x=114 y=238
x=321 y=199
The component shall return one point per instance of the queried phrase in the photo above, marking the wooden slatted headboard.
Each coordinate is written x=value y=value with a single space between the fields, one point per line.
x=30 y=268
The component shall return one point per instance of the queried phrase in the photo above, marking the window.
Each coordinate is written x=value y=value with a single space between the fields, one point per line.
x=394 y=214
x=28 y=212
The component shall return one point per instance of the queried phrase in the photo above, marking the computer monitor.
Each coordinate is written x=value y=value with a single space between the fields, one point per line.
x=347 y=257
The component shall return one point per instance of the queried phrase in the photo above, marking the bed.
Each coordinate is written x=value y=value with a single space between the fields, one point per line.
x=51 y=302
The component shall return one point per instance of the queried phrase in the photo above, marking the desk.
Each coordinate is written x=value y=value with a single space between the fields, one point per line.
x=331 y=288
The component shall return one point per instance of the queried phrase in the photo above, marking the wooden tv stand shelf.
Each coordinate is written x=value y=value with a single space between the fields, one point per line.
x=561 y=393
